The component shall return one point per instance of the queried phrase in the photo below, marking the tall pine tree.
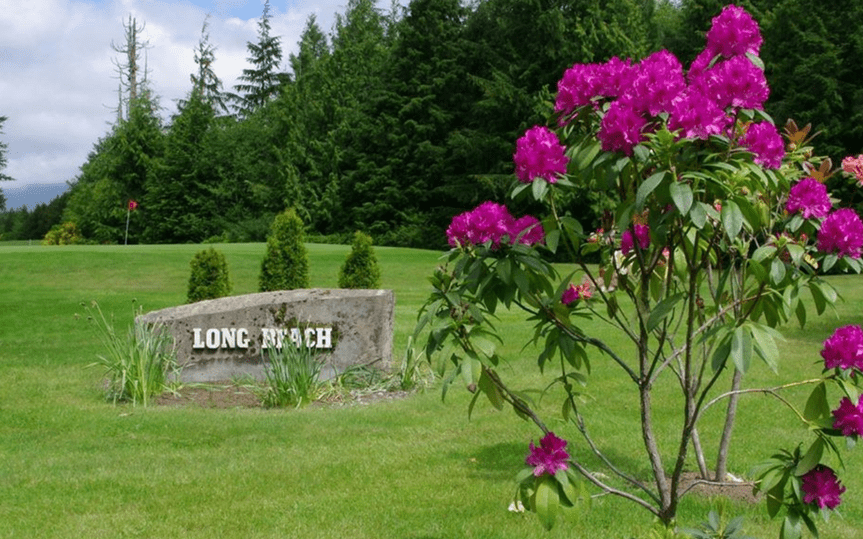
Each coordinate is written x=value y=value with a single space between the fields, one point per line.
x=260 y=83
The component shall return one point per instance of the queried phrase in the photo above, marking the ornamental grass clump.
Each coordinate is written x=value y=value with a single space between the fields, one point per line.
x=717 y=233
x=292 y=374
x=138 y=364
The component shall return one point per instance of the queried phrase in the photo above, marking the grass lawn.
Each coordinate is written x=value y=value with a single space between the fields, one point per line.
x=73 y=465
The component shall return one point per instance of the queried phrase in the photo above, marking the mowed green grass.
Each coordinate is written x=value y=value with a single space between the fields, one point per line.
x=72 y=465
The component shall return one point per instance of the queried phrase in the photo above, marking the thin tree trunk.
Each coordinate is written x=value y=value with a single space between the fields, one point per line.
x=699 y=455
x=730 y=415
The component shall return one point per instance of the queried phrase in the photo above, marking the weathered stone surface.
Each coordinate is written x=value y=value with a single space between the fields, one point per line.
x=223 y=338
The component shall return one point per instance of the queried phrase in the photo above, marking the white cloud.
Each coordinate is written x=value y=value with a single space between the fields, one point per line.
x=58 y=81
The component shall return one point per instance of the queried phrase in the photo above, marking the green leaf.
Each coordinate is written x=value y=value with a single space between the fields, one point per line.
x=741 y=349
x=647 y=187
x=539 y=187
x=546 y=502
x=491 y=391
x=811 y=458
x=816 y=405
x=698 y=215
x=566 y=487
x=763 y=252
x=765 y=347
x=732 y=218
x=661 y=310
x=777 y=271
x=721 y=353
x=681 y=194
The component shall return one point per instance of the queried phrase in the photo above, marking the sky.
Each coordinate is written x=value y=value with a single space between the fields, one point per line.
x=58 y=80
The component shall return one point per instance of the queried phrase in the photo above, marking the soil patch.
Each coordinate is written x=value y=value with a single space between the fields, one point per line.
x=732 y=490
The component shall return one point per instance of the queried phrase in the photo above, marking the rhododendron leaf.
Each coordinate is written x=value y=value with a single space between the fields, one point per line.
x=566 y=488
x=681 y=194
x=661 y=310
x=755 y=60
x=811 y=458
x=765 y=347
x=722 y=351
x=763 y=252
x=741 y=349
x=491 y=391
x=777 y=271
x=791 y=527
x=732 y=218
x=816 y=405
x=647 y=187
x=546 y=502
x=539 y=188
x=698 y=215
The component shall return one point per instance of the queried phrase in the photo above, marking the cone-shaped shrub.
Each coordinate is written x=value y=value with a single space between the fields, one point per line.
x=210 y=278
x=286 y=264
x=360 y=269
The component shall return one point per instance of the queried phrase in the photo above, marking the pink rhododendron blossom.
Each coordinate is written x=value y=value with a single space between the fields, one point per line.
x=854 y=165
x=549 y=457
x=526 y=230
x=809 y=197
x=765 y=143
x=575 y=293
x=582 y=83
x=849 y=418
x=734 y=33
x=844 y=349
x=821 y=486
x=539 y=154
x=658 y=82
x=491 y=222
x=842 y=232
x=697 y=116
x=621 y=127
x=642 y=234
x=736 y=82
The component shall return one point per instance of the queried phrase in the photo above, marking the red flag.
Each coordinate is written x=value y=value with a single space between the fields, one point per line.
x=133 y=205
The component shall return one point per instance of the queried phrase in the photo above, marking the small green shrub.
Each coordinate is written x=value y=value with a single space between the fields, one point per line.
x=209 y=277
x=138 y=364
x=63 y=234
x=286 y=264
x=360 y=269
x=292 y=375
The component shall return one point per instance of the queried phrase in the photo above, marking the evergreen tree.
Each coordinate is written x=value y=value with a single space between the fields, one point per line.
x=205 y=80
x=116 y=172
x=209 y=277
x=180 y=202
x=285 y=265
x=261 y=82
x=132 y=76
x=360 y=269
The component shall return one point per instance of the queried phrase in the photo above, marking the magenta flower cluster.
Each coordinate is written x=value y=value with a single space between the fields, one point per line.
x=642 y=235
x=844 y=349
x=734 y=33
x=492 y=222
x=765 y=143
x=539 y=154
x=848 y=418
x=721 y=79
x=809 y=197
x=575 y=293
x=821 y=487
x=550 y=457
x=841 y=232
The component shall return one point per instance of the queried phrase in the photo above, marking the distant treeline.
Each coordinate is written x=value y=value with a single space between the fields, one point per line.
x=396 y=121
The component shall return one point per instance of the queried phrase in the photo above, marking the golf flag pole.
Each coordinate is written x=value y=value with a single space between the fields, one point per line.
x=132 y=206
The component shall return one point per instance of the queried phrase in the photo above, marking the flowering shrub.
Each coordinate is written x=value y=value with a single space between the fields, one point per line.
x=709 y=252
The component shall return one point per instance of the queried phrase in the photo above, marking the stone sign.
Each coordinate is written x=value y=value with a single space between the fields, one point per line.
x=225 y=338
